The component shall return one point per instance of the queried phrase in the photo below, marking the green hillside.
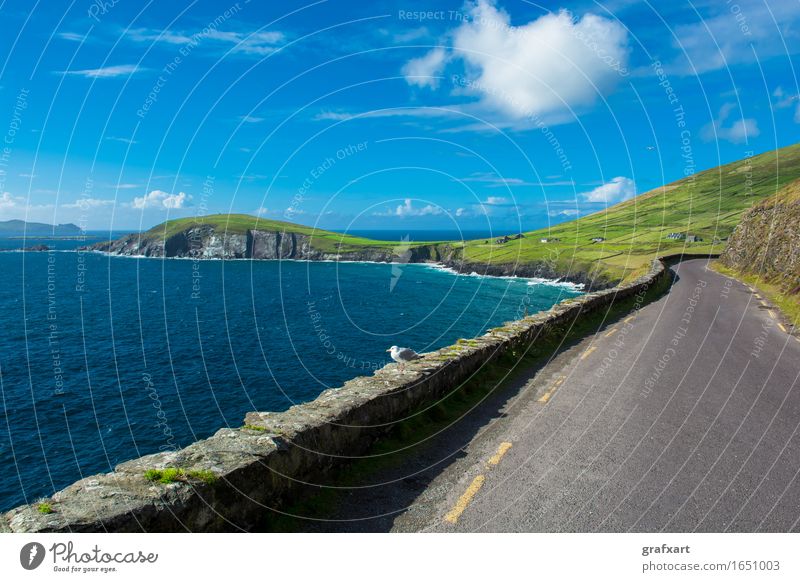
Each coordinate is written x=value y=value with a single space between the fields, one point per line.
x=708 y=205
x=241 y=223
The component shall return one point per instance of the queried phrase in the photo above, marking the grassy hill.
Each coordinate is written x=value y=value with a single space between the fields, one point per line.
x=708 y=205
x=241 y=223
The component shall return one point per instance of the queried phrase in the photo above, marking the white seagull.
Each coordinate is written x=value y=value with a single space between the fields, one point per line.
x=403 y=355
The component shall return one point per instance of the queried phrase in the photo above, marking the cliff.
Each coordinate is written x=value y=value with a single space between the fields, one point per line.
x=244 y=237
x=766 y=242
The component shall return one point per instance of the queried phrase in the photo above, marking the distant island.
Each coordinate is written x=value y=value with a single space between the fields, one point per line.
x=18 y=228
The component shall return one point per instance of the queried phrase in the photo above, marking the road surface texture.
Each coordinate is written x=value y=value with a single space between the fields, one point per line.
x=682 y=417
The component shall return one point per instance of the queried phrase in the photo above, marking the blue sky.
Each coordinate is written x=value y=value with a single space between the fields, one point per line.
x=397 y=115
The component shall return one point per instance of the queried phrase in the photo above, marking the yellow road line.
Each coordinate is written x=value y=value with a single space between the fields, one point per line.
x=546 y=396
x=501 y=450
x=587 y=352
x=763 y=304
x=783 y=329
x=610 y=333
x=464 y=500
x=771 y=313
x=628 y=320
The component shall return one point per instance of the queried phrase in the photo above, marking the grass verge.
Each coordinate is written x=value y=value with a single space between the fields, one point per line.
x=788 y=304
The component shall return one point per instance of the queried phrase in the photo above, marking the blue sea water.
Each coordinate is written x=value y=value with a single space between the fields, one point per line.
x=103 y=359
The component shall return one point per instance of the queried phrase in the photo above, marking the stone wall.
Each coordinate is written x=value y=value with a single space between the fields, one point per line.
x=237 y=478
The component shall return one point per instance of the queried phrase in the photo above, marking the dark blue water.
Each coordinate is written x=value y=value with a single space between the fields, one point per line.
x=104 y=359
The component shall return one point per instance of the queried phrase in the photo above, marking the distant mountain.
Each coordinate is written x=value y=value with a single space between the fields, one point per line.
x=37 y=229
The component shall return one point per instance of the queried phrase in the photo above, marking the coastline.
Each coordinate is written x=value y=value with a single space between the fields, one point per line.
x=246 y=472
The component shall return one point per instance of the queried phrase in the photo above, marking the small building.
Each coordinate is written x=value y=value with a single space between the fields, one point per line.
x=598 y=239
x=693 y=238
x=550 y=240
x=676 y=235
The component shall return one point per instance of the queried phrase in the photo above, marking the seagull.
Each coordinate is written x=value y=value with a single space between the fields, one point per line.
x=403 y=355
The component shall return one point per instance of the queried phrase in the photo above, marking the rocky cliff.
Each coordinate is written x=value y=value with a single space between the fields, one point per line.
x=767 y=240
x=204 y=241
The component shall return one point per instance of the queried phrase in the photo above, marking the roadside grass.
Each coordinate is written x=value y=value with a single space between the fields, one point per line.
x=788 y=304
x=398 y=446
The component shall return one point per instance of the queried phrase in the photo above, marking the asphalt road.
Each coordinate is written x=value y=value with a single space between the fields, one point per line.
x=683 y=417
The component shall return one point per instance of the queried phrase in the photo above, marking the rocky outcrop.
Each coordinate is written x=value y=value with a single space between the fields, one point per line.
x=203 y=242
x=767 y=241
x=238 y=479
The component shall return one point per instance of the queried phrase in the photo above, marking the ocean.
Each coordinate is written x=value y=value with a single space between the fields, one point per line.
x=104 y=359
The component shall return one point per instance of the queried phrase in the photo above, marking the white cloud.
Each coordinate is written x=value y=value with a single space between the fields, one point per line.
x=72 y=36
x=250 y=119
x=737 y=132
x=86 y=203
x=729 y=34
x=160 y=199
x=568 y=212
x=391 y=112
x=617 y=190
x=424 y=71
x=546 y=67
x=9 y=201
x=250 y=43
x=783 y=100
x=493 y=200
x=407 y=208
x=124 y=140
x=106 y=72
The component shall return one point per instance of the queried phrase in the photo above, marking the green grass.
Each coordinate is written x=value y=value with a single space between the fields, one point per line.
x=44 y=507
x=173 y=475
x=708 y=204
x=787 y=303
